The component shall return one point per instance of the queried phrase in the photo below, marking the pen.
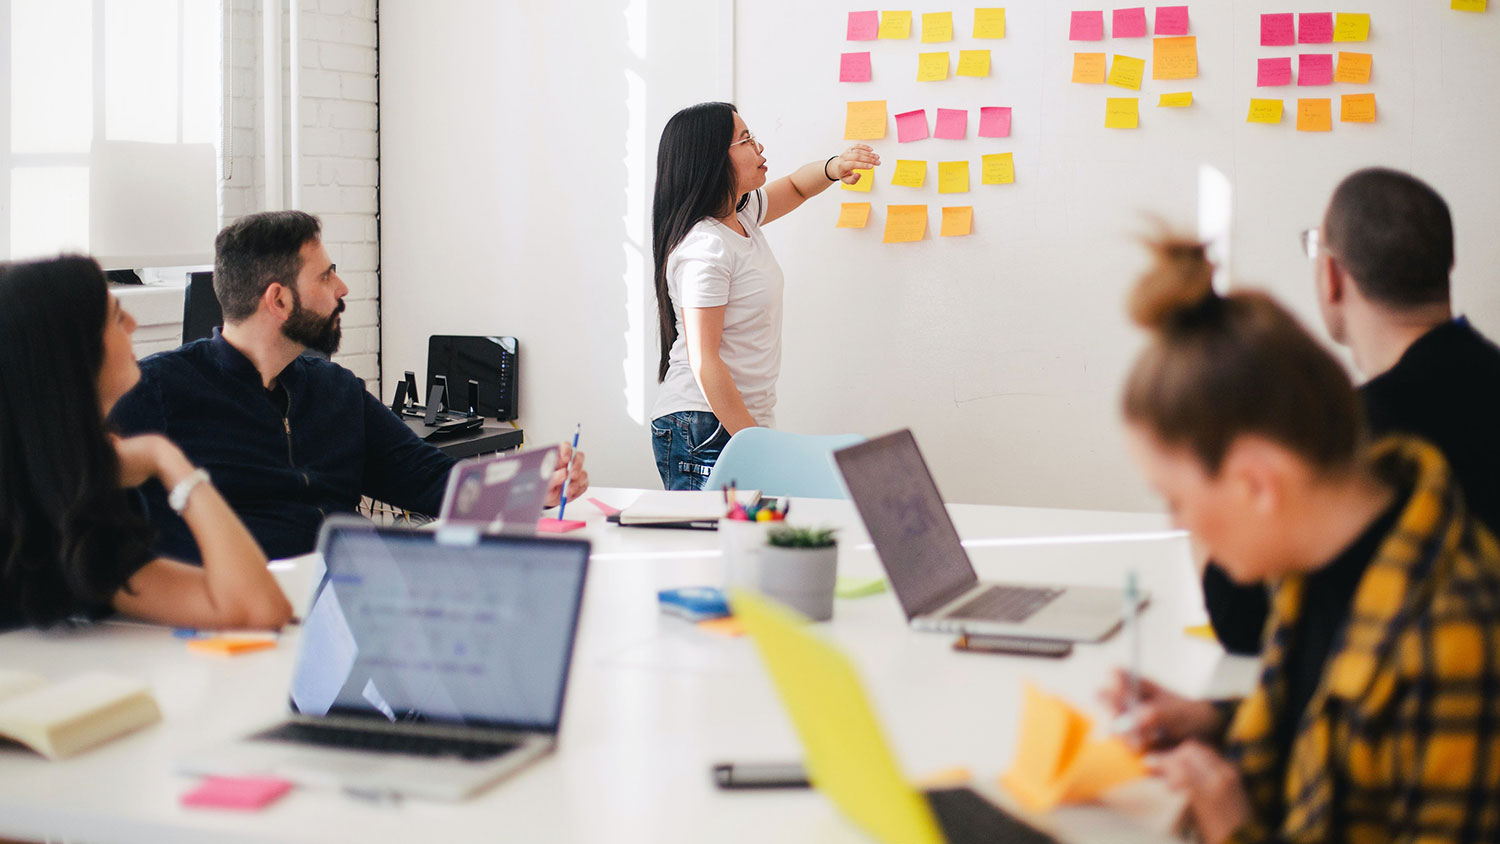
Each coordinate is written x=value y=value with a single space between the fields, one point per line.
x=568 y=474
x=1130 y=718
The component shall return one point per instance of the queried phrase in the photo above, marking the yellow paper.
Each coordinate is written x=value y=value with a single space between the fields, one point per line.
x=958 y=221
x=998 y=168
x=1357 y=108
x=905 y=223
x=1089 y=68
x=865 y=121
x=937 y=26
x=1056 y=762
x=1315 y=115
x=866 y=181
x=909 y=174
x=854 y=215
x=990 y=23
x=1469 y=5
x=1126 y=72
x=1122 y=113
x=1201 y=631
x=953 y=177
x=973 y=63
x=932 y=67
x=1353 y=67
x=955 y=777
x=1175 y=58
x=1264 y=111
x=1100 y=766
x=1351 y=27
x=1182 y=100
x=895 y=25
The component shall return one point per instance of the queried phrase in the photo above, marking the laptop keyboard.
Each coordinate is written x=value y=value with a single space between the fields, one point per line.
x=381 y=741
x=1006 y=603
x=968 y=818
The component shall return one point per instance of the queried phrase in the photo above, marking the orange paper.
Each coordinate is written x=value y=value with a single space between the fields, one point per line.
x=1353 y=67
x=1315 y=115
x=905 y=223
x=958 y=221
x=726 y=626
x=1057 y=763
x=865 y=121
x=1090 y=68
x=228 y=646
x=1175 y=58
x=1357 y=108
x=854 y=215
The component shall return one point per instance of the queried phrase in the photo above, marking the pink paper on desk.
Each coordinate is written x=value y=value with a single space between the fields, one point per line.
x=1315 y=28
x=952 y=124
x=1171 y=20
x=1129 y=23
x=605 y=508
x=864 y=26
x=1087 y=26
x=559 y=525
x=911 y=126
x=1273 y=72
x=236 y=793
x=1315 y=69
x=854 y=67
x=994 y=122
x=1277 y=30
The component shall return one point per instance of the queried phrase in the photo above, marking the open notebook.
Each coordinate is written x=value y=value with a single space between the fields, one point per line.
x=665 y=507
x=62 y=719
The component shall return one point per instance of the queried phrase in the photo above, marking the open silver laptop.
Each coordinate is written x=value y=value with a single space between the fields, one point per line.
x=431 y=664
x=501 y=493
x=929 y=570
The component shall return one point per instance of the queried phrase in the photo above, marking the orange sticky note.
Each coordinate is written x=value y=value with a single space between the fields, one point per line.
x=1353 y=67
x=953 y=177
x=957 y=220
x=1180 y=100
x=1126 y=72
x=936 y=27
x=1315 y=115
x=229 y=646
x=909 y=174
x=989 y=23
x=973 y=63
x=1357 y=108
x=1175 y=58
x=854 y=215
x=1351 y=27
x=997 y=168
x=1056 y=762
x=895 y=25
x=864 y=121
x=1089 y=68
x=905 y=223
x=866 y=181
x=932 y=67
x=1264 y=111
x=726 y=626
x=1122 y=113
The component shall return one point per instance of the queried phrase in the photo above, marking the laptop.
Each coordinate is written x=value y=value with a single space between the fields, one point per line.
x=847 y=757
x=432 y=664
x=500 y=493
x=929 y=570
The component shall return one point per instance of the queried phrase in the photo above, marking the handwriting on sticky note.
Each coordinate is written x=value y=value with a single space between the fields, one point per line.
x=1271 y=73
x=1357 y=108
x=1315 y=69
x=864 y=26
x=1264 y=111
x=1056 y=762
x=952 y=124
x=1122 y=113
x=905 y=223
x=1178 y=100
x=1089 y=68
x=895 y=25
x=1126 y=72
x=998 y=168
x=937 y=27
x=994 y=122
x=989 y=23
x=1277 y=30
x=909 y=174
x=911 y=126
x=957 y=221
x=1315 y=115
x=1171 y=20
x=1087 y=26
x=1129 y=23
x=1353 y=67
x=1469 y=5
x=1315 y=27
x=865 y=120
x=953 y=177
x=932 y=67
x=865 y=182
x=1174 y=58
x=853 y=215
x=854 y=67
x=1351 y=27
x=973 y=63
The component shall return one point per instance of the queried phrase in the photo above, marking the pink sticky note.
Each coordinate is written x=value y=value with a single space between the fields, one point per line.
x=994 y=122
x=245 y=793
x=1315 y=28
x=1315 y=69
x=1273 y=72
x=605 y=508
x=952 y=124
x=559 y=525
x=1087 y=26
x=1129 y=23
x=854 y=67
x=864 y=26
x=1171 y=20
x=1277 y=30
x=911 y=126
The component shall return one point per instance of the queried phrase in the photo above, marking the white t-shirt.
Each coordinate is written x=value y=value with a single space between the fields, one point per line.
x=715 y=265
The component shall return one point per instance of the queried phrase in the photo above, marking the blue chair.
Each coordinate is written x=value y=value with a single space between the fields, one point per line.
x=780 y=463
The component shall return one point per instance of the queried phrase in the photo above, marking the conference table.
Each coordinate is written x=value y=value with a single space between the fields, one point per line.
x=653 y=702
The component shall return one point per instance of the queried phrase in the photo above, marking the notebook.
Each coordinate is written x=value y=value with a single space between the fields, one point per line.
x=61 y=719
x=672 y=507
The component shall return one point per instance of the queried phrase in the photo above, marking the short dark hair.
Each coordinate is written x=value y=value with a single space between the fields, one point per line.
x=256 y=251
x=1393 y=234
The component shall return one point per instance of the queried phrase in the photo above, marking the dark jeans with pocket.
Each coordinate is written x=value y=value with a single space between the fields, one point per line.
x=687 y=445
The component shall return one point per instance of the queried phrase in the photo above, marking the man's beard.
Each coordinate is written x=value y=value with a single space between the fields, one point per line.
x=307 y=327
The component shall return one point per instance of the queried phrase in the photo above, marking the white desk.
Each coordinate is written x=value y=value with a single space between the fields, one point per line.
x=652 y=702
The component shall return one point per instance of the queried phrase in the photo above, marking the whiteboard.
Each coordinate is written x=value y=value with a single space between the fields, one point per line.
x=1005 y=350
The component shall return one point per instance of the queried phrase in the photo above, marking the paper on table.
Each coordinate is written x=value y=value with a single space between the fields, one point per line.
x=952 y=124
x=560 y=525
x=229 y=645
x=1089 y=68
x=854 y=67
x=1087 y=26
x=1175 y=58
x=909 y=173
x=953 y=177
x=989 y=23
x=727 y=626
x=895 y=25
x=1353 y=67
x=1315 y=69
x=905 y=223
x=1178 y=100
x=911 y=126
x=1351 y=27
x=1264 y=111
x=1277 y=30
x=863 y=26
x=1057 y=763
x=973 y=63
x=853 y=215
x=236 y=792
x=936 y=27
x=1126 y=72
x=997 y=168
x=957 y=221
x=932 y=67
x=1315 y=115
x=1315 y=28
x=850 y=586
x=1357 y=108
x=865 y=120
x=994 y=122
x=1129 y=23
x=1122 y=113
x=1171 y=20
x=865 y=182
x=1271 y=73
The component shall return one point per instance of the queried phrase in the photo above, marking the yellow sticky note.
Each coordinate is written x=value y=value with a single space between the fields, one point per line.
x=1353 y=67
x=1126 y=72
x=1264 y=111
x=1182 y=100
x=853 y=215
x=989 y=23
x=1175 y=58
x=1089 y=68
x=1055 y=761
x=953 y=177
x=1357 y=108
x=937 y=26
x=932 y=67
x=1351 y=27
x=865 y=121
x=1469 y=5
x=998 y=168
x=1201 y=631
x=909 y=174
x=1122 y=113
x=866 y=181
x=905 y=223
x=1315 y=115
x=957 y=221
x=973 y=63
x=895 y=25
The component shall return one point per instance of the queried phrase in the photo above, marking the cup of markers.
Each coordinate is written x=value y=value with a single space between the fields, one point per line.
x=742 y=533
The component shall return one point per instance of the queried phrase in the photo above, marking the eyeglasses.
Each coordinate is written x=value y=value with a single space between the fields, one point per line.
x=1312 y=247
x=749 y=139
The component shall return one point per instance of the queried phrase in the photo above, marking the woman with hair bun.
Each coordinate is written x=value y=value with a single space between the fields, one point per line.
x=1377 y=716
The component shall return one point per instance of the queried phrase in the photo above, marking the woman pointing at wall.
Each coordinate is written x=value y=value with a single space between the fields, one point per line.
x=718 y=287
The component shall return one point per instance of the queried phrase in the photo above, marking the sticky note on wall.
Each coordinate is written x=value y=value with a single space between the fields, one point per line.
x=1122 y=113
x=1270 y=73
x=1089 y=68
x=1315 y=115
x=865 y=120
x=973 y=63
x=932 y=67
x=1315 y=28
x=937 y=27
x=989 y=23
x=1469 y=5
x=864 y=26
x=1315 y=69
x=895 y=25
x=854 y=67
x=905 y=223
x=1171 y=20
x=853 y=215
x=1351 y=27
x=863 y=185
x=994 y=122
x=909 y=174
x=1357 y=108
x=1174 y=58
x=1277 y=30
x=957 y=221
x=1180 y=100
x=1129 y=23
x=953 y=177
x=1265 y=111
x=911 y=126
x=1086 y=26
x=1353 y=67
x=952 y=124
x=997 y=168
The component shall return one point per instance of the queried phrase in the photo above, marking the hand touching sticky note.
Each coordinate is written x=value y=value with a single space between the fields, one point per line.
x=998 y=168
x=1174 y=58
x=865 y=121
x=865 y=181
x=905 y=223
x=953 y=177
x=1122 y=113
x=853 y=215
x=932 y=67
x=1126 y=72
x=957 y=221
x=973 y=63
x=937 y=27
x=989 y=23
x=909 y=174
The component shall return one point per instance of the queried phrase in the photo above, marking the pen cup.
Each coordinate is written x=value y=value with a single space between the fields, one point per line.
x=741 y=543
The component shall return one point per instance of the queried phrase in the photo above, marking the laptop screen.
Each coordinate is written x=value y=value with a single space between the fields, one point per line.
x=446 y=627
x=901 y=508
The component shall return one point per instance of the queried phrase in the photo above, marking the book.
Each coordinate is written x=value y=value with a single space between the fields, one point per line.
x=674 y=507
x=61 y=719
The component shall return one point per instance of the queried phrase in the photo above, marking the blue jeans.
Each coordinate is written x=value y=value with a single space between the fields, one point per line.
x=687 y=445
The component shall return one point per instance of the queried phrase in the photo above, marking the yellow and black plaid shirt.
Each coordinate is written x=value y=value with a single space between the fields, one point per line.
x=1401 y=740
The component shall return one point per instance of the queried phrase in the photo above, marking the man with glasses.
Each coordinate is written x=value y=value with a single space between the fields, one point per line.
x=1382 y=259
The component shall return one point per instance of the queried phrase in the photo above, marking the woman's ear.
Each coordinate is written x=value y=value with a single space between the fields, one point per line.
x=1259 y=473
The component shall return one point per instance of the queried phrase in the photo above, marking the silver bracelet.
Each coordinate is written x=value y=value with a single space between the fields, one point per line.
x=178 y=498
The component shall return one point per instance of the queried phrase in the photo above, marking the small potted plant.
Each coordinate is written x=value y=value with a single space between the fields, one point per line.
x=798 y=567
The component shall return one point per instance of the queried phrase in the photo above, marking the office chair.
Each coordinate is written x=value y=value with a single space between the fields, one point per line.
x=782 y=463
x=200 y=308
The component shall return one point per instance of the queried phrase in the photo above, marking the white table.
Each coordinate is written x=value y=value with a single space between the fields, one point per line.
x=651 y=704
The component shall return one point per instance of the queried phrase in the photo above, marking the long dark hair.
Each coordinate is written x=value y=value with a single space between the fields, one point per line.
x=694 y=181
x=66 y=527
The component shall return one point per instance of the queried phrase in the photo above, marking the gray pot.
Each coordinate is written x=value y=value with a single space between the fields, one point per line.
x=801 y=578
